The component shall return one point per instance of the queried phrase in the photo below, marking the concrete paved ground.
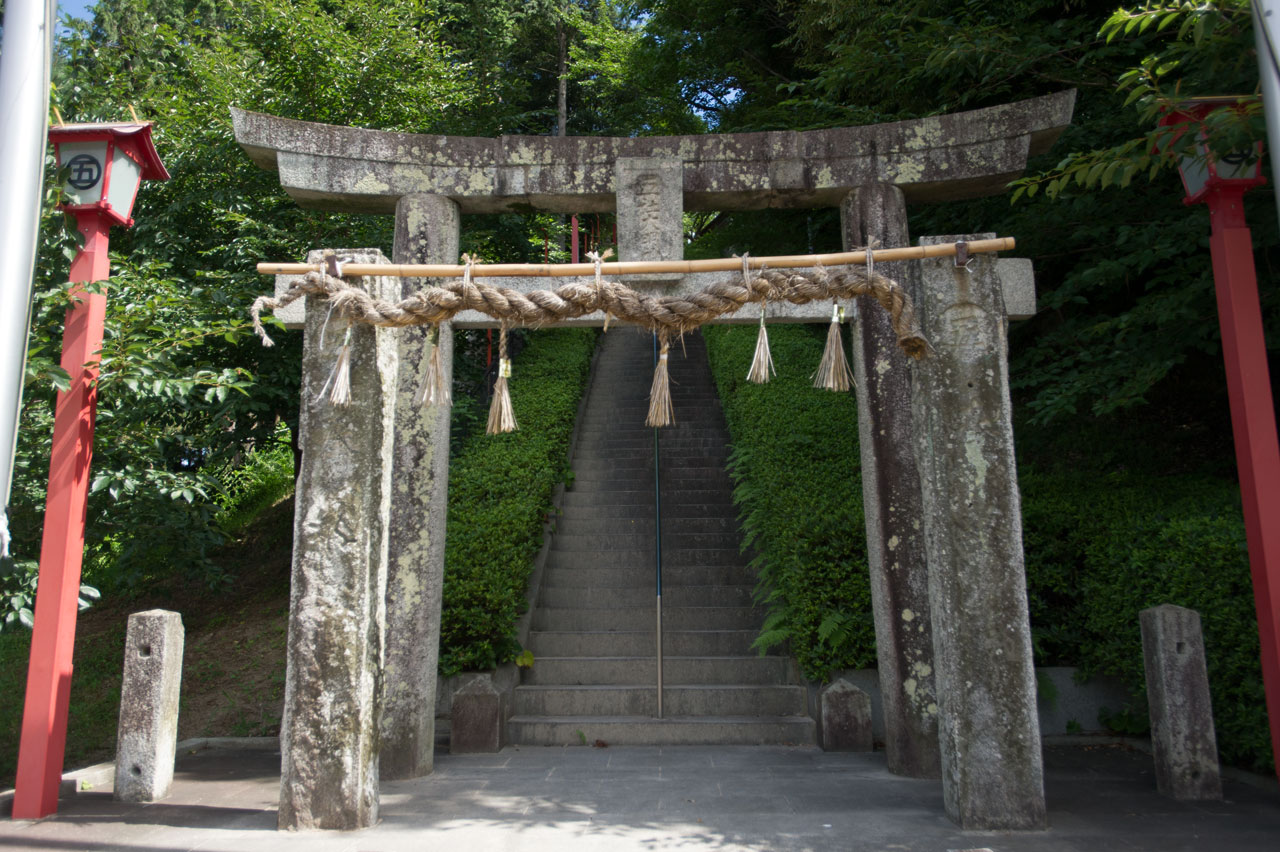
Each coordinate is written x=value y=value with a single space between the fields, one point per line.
x=1101 y=798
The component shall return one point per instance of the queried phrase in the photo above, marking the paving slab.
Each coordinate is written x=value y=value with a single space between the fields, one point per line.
x=1101 y=798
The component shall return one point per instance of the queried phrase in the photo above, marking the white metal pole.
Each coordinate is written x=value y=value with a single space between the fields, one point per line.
x=24 y=118
x=1266 y=34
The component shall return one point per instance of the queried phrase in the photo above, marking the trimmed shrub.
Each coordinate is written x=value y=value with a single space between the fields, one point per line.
x=1100 y=545
x=500 y=490
x=794 y=460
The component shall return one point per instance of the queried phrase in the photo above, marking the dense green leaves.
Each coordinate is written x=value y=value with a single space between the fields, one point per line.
x=795 y=464
x=499 y=495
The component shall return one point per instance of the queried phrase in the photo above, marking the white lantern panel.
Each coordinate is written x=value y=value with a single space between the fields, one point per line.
x=1195 y=173
x=86 y=165
x=125 y=177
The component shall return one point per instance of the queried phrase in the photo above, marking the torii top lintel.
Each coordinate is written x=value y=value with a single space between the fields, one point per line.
x=939 y=158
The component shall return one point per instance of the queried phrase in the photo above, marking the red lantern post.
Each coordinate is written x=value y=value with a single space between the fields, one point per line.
x=1221 y=180
x=104 y=164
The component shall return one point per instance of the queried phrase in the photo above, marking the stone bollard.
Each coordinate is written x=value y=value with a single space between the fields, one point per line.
x=989 y=731
x=476 y=723
x=148 y=731
x=846 y=718
x=1182 y=737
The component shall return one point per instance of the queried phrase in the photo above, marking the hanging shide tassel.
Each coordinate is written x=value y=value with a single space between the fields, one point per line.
x=434 y=389
x=762 y=364
x=833 y=373
x=339 y=382
x=660 y=413
x=501 y=416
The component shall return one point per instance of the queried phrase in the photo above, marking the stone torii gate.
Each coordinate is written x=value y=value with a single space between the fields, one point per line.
x=939 y=486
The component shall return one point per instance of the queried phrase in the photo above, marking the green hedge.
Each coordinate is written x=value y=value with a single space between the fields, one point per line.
x=499 y=494
x=795 y=464
x=1102 y=543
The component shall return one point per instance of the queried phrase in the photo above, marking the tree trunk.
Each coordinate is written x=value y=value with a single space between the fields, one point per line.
x=562 y=74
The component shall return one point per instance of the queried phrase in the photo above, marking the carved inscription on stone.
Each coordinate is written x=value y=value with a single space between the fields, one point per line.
x=650 y=196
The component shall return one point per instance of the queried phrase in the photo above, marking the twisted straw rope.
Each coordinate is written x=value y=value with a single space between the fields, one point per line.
x=673 y=314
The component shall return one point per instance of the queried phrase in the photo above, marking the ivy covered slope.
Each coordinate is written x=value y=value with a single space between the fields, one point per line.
x=499 y=494
x=1111 y=526
x=795 y=464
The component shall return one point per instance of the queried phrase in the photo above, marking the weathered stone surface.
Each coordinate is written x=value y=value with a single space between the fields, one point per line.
x=650 y=203
x=329 y=735
x=1182 y=738
x=148 y=730
x=1018 y=283
x=426 y=232
x=846 y=718
x=992 y=771
x=942 y=157
x=476 y=719
x=891 y=497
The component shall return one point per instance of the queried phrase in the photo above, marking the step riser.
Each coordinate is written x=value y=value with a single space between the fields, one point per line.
x=573 y=500
x=676 y=701
x=667 y=732
x=565 y=543
x=643 y=578
x=675 y=670
x=603 y=597
x=643 y=618
x=688 y=643
x=641 y=558
x=571 y=526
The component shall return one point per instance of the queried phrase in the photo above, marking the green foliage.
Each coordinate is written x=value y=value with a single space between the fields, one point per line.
x=264 y=478
x=500 y=490
x=1099 y=552
x=795 y=463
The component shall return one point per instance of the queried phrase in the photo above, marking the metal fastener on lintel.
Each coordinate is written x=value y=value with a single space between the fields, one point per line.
x=962 y=254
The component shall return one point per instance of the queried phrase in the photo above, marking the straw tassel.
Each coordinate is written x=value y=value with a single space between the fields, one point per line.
x=762 y=365
x=341 y=376
x=833 y=373
x=502 y=418
x=434 y=389
x=660 y=413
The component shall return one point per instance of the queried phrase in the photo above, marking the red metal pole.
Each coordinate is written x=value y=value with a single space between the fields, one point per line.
x=574 y=238
x=44 y=715
x=1253 y=424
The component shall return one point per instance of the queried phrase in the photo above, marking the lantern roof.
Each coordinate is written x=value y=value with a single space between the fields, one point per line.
x=136 y=132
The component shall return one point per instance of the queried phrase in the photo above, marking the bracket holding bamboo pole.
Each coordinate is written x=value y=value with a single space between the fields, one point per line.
x=566 y=270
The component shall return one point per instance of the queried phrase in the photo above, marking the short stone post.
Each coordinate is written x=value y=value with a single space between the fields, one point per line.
x=148 y=731
x=846 y=717
x=1182 y=738
x=329 y=735
x=891 y=497
x=992 y=770
x=426 y=232
x=475 y=726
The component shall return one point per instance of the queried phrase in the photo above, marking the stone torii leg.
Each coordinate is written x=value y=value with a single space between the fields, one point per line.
x=891 y=497
x=426 y=232
x=992 y=768
x=329 y=735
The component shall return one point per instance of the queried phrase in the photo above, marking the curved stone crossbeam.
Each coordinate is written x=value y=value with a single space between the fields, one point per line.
x=939 y=158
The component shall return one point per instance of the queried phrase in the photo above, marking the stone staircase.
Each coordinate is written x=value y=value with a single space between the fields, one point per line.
x=593 y=632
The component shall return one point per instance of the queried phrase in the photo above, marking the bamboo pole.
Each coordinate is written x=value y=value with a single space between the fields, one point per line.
x=566 y=270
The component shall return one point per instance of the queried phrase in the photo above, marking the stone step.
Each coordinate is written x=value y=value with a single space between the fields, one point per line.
x=641 y=558
x=672 y=731
x=671 y=541
x=642 y=577
x=641 y=700
x=676 y=671
x=630 y=643
x=602 y=464
x=575 y=525
x=599 y=597
x=641 y=618
x=700 y=497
